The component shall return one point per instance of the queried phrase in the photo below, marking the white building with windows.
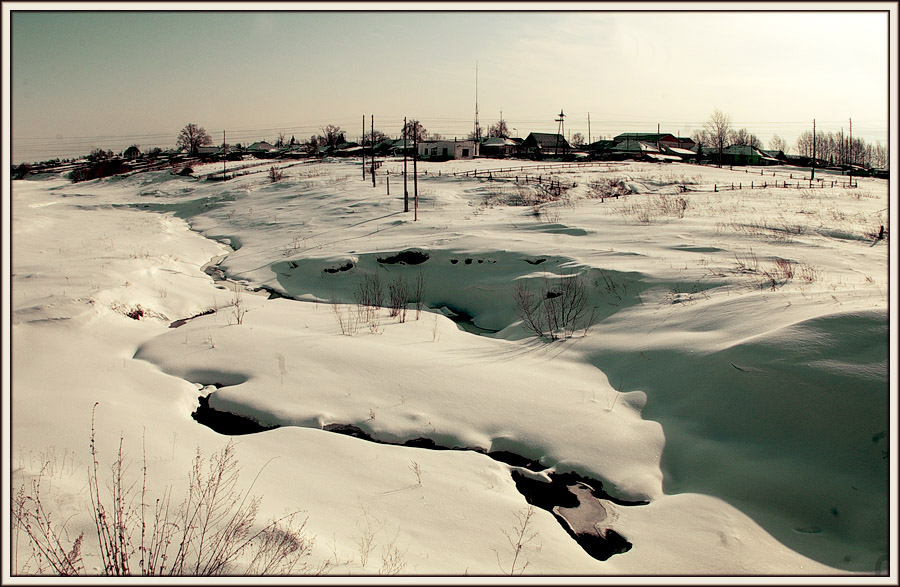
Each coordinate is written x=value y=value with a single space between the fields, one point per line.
x=455 y=149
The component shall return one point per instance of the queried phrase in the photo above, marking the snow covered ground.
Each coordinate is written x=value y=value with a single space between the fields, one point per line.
x=730 y=392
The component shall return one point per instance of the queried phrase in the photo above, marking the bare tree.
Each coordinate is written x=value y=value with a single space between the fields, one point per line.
x=415 y=131
x=718 y=127
x=499 y=130
x=879 y=155
x=377 y=135
x=701 y=137
x=98 y=154
x=577 y=140
x=805 y=144
x=192 y=137
x=744 y=137
x=776 y=143
x=313 y=143
x=331 y=136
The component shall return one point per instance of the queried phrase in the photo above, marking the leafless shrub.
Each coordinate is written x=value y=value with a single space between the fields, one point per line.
x=618 y=289
x=519 y=540
x=369 y=300
x=549 y=213
x=238 y=309
x=782 y=233
x=275 y=174
x=49 y=542
x=559 y=311
x=347 y=321
x=392 y=558
x=370 y=526
x=783 y=269
x=647 y=210
x=293 y=248
x=418 y=292
x=807 y=273
x=417 y=471
x=747 y=263
x=398 y=296
x=610 y=187
x=213 y=528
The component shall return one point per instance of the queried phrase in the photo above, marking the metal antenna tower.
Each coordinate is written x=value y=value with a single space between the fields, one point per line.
x=561 y=129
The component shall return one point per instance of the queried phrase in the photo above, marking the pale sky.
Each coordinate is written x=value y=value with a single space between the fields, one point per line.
x=114 y=77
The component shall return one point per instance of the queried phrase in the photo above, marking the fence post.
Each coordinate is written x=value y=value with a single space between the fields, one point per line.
x=751 y=185
x=715 y=188
x=388 y=180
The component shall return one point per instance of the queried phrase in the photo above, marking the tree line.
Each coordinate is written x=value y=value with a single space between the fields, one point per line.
x=834 y=148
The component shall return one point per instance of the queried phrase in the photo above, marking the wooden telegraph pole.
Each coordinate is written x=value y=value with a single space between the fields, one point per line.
x=415 y=175
x=364 y=147
x=372 y=128
x=405 y=190
x=224 y=158
x=851 y=152
x=812 y=168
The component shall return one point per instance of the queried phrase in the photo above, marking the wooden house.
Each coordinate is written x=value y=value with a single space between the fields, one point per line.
x=540 y=144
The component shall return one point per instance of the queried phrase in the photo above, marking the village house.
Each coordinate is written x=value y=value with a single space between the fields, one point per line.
x=132 y=152
x=446 y=150
x=499 y=147
x=746 y=155
x=541 y=144
x=647 y=146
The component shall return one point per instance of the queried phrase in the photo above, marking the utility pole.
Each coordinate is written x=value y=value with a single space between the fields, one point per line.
x=851 y=152
x=405 y=190
x=477 y=129
x=812 y=168
x=589 y=128
x=223 y=155
x=364 y=147
x=415 y=175
x=372 y=128
x=851 y=142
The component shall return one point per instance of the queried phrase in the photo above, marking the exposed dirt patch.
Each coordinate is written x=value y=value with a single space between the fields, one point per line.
x=407 y=257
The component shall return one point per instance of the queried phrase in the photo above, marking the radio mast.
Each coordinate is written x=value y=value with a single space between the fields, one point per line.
x=477 y=130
